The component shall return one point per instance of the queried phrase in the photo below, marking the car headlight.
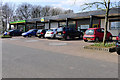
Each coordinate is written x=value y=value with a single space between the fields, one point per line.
x=23 y=34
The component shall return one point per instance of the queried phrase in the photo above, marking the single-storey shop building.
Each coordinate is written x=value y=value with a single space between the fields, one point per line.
x=80 y=21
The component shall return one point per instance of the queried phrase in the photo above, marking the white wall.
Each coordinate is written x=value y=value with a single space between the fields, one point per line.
x=54 y=25
x=46 y=25
x=113 y=32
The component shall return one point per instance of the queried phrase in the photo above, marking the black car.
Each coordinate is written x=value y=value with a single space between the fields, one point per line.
x=66 y=33
x=15 y=32
x=118 y=44
x=41 y=33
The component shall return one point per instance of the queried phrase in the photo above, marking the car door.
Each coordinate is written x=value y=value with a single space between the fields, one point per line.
x=102 y=33
x=99 y=34
x=34 y=32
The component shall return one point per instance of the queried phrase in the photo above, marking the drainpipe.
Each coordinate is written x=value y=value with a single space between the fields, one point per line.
x=9 y=26
x=49 y=23
x=99 y=22
x=66 y=22
x=25 y=27
x=58 y=24
x=17 y=26
x=36 y=25
x=91 y=21
x=76 y=24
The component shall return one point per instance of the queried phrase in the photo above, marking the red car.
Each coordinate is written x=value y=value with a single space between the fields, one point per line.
x=96 y=34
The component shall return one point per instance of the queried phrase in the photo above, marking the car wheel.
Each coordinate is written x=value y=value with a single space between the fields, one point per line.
x=24 y=36
x=118 y=52
x=67 y=37
x=86 y=40
x=110 y=38
x=54 y=37
x=59 y=38
x=29 y=35
x=96 y=39
x=48 y=38
x=39 y=36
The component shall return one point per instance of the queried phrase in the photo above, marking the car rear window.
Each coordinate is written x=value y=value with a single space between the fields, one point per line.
x=89 y=32
x=60 y=29
x=39 y=31
x=50 y=30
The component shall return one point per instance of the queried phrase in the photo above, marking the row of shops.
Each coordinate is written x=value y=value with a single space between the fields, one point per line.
x=80 y=21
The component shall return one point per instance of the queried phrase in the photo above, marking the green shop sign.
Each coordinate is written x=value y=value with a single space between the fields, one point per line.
x=22 y=21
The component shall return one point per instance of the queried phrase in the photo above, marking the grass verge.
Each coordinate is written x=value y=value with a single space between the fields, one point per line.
x=101 y=45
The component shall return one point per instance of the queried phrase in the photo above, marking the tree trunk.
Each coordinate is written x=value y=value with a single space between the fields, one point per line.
x=106 y=23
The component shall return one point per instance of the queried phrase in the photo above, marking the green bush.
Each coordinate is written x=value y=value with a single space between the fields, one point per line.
x=6 y=36
x=102 y=45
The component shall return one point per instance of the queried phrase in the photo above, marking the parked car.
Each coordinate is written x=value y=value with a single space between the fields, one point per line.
x=51 y=33
x=96 y=34
x=118 y=44
x=30 y=33
x=41 y=33
x=68 y=33
x=15 y=32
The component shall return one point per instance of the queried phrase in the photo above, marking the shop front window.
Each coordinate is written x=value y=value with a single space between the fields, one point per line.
x=115 y=25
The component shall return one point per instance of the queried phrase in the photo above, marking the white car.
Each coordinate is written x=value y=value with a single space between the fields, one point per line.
x=51 y=33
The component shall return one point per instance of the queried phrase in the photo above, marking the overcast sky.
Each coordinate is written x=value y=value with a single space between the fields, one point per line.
x=66 y=4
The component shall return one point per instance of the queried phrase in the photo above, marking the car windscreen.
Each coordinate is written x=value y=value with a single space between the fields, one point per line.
x=89 y=32
x=60 y=29
x=10 y=30
x=31 y=30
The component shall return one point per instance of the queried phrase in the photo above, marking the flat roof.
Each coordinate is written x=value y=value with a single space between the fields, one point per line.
x=81 y=15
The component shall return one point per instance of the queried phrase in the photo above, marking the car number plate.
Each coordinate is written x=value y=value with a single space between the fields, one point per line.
x=59 y=33
x=38 y=35
x=88 y=38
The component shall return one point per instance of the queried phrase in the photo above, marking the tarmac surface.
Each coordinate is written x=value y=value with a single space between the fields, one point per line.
x=43 y=58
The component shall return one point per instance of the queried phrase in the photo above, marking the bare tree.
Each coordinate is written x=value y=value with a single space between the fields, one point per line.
x=102 y=5
x=24 y=11
x=55 y=11
x=46 y=11
x=7 y=13
x=36 y=11
x=68 y=11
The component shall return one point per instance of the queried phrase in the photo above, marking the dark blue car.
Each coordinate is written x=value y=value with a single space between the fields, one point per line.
x=30 y=33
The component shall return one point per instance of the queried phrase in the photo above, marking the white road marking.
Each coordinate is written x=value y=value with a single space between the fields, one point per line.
x=57 y=44
x=31 y=41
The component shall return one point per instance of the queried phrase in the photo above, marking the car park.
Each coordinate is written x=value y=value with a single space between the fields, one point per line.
x=41 y=33
x=15 y=32
x=96 y=34
x=51 y=33
x=118 y=44
x=30 y=33
x=66 y=33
